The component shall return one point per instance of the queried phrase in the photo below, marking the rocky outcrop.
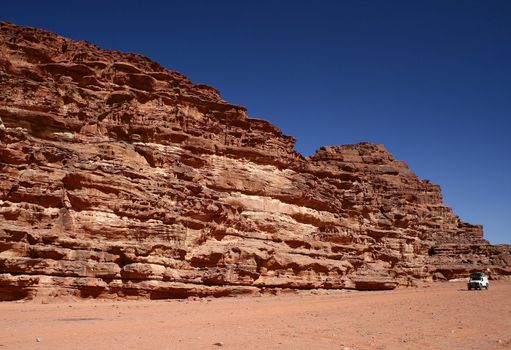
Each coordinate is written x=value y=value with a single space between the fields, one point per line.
x=122 y=178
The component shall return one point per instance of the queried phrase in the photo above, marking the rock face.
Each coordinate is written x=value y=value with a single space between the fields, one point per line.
x=121 y=178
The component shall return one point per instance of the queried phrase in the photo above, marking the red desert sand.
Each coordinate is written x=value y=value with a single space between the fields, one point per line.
x=441 y=316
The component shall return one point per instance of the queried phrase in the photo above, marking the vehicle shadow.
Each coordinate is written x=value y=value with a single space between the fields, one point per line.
x=466 y=290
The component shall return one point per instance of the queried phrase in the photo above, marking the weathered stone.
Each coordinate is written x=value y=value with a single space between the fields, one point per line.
x=121 y=178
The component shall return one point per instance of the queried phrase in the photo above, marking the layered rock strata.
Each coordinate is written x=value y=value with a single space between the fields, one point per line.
x=121 y=178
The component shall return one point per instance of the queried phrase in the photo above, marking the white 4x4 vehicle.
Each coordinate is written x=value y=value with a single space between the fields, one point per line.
x=478 y=280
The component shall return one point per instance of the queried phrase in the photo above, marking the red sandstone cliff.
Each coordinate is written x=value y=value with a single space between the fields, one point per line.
x=120 y=177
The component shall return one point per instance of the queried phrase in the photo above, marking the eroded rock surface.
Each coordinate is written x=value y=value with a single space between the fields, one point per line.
x=122 y=178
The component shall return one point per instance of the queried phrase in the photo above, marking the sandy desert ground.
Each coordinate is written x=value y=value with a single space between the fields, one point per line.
x=442 y=316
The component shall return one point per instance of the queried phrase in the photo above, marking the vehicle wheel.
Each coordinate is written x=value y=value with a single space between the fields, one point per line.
x=469 y=288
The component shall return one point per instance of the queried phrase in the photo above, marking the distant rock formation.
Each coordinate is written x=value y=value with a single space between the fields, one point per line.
x=119 y=178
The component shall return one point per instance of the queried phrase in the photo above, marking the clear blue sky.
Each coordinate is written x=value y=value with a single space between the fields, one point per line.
x=429 y=79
